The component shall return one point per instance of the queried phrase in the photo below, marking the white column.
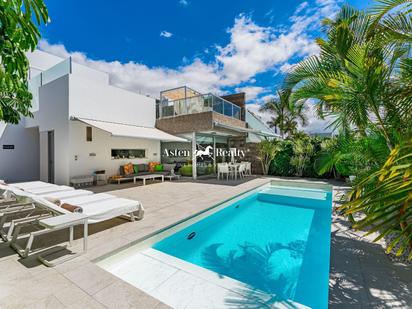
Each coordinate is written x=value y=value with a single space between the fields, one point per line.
x=194 y=171
x=214 y=154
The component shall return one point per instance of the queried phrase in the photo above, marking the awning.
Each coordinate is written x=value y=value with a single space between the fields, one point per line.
x=127 y=130
x=245 y=130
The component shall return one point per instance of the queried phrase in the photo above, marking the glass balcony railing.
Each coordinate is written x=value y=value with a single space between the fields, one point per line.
x=57 y=71
x=34 y=85
x=198 y=104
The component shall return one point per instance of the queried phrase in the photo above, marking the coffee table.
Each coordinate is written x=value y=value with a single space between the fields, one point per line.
x=171 y=177
x=149 y=176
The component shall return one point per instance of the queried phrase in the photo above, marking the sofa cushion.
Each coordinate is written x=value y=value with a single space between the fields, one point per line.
x=152 y=166
x=143 y=167
x=168 y=167
x=121 y=170
x=164 y=173
x=128 y=169
x=143 y=173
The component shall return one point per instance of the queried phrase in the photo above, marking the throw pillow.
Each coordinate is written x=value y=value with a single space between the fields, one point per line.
x=152 y=166
x=135 y=168
x=128 y=169
x=159 y=168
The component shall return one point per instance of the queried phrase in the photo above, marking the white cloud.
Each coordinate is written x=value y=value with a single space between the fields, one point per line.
x=301 y=7
x=141 y=78
x=252 y=49
x=286 y=67
x=166 y=34
x=315 y=124
x=252 y=92
x=184 y=2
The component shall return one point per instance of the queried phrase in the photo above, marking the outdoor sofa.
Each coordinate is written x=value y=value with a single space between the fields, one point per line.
x=143 y=169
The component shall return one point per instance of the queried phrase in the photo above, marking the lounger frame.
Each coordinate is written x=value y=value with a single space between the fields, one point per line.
x=26 y=251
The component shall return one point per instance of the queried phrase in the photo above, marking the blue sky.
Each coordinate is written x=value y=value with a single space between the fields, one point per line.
x=218 y=46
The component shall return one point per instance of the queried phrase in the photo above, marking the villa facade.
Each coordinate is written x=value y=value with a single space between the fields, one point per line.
x=81 y=123
x=220 y=122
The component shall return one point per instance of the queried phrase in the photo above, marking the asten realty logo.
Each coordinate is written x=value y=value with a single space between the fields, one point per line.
x=205 y=152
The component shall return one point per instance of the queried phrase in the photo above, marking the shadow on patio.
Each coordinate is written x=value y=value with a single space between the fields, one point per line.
x=362 y=276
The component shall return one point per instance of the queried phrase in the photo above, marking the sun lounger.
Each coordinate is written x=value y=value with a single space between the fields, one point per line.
x=60 y=218
x=57 y=197
x=82 y=200
x=10 y=199
x=49 y=189
x=30 y=185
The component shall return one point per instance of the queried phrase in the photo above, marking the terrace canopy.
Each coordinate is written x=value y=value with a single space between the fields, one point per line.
x=127 y=130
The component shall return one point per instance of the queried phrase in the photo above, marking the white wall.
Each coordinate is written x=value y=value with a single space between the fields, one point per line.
x=101 y=145
x=22 y=162
x=90 y=74
x=98 y=101
x=53 y=116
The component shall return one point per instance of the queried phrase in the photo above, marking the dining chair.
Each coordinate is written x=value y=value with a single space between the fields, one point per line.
x=223 y=168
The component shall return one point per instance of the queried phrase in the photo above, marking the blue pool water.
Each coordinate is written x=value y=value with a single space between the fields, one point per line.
x=276 y=240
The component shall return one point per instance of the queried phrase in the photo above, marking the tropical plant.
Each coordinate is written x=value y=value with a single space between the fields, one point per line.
x=359 y=72
x=286 y=114
x=280 y=165
x=386 y=198
x=266 y=152
x=302 y=152
x=18 y=34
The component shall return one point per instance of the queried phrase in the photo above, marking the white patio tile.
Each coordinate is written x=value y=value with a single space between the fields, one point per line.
x=142 y=271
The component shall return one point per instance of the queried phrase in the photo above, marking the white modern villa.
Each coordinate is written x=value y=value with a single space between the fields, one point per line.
x=81 y=123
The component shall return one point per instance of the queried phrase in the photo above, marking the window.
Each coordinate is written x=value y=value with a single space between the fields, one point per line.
x=128 y=153
x=89 y=134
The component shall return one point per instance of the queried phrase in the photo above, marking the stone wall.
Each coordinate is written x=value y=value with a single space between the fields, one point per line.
x=229 y=121
x=196 y=122
x=251 y=153
x=186 y=123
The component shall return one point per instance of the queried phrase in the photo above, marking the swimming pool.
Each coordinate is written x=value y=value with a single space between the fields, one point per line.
x=275 y=239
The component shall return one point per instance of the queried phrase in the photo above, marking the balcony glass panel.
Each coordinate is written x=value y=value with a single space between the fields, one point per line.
x=218 y=105
x=34 y=84
x=195 y=104
x=228 y=109
x=208 y=103
x=179 y=107
x=57 y=71
x=167 y=111
x=236 y=112
x=199 y=104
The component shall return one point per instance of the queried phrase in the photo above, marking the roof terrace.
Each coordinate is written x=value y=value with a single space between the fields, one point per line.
x=184 y=100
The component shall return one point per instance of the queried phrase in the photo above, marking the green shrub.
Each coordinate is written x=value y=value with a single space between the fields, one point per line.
x=280 y=165
x=186 y=170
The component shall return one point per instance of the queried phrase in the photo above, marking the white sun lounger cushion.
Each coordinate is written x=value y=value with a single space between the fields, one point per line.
x=108 y=209
x=36 y=198
x=88 y=199
x=31 y=184
x=57 y=197
x=46 y=190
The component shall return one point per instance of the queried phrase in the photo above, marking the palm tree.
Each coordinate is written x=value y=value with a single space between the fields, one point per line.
x=385 y=196
x=359 y=71
x=286 y=114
